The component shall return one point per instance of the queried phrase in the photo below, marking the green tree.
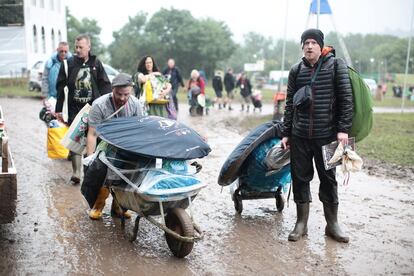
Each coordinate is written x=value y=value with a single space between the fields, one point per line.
x=193 y=43
x=129 y=44
x=85 y=26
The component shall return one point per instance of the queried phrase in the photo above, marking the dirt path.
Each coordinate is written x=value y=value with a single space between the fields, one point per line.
x=52 y=233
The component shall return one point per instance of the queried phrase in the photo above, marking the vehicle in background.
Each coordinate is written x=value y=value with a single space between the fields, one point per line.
x=110 y=71
x=372 y=84
x=35 y=79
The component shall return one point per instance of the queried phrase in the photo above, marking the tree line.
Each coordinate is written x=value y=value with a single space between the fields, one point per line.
x=205 y=43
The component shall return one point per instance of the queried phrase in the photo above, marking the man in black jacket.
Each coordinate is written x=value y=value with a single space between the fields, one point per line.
x=174 y=76
x=327 y=118
x=86 y=81
x=229 y=85
x=218 y=88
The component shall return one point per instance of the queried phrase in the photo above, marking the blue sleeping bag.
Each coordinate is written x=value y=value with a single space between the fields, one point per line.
x=253 y=172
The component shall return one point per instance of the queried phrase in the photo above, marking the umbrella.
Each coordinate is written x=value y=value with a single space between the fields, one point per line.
x=231 y=168
x=154 y=137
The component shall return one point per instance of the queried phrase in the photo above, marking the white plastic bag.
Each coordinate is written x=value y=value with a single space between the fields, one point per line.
x=75 y=138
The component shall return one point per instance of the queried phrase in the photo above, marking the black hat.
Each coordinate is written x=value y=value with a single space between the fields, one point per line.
x=314 y=34
x=122 y=79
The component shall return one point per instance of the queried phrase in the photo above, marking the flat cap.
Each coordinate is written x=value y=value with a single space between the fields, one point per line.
x=122 y=79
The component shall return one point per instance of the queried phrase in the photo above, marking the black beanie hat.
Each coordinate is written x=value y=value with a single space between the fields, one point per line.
x=314 y=34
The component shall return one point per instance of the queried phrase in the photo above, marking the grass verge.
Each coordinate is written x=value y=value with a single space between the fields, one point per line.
x=16 y=87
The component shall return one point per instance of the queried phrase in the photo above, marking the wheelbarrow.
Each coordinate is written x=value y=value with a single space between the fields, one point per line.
x=181 y=232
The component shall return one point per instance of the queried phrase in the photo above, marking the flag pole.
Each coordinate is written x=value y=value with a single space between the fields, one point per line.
x=284 y=47
x=318 y=11
x=407 y=61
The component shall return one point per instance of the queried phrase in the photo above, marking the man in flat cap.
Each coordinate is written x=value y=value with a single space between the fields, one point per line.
x=119 y=103
x=312 y=120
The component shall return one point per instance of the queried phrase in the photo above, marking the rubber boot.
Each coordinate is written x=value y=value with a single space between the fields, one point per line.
x=76 y=167
x=247 y=108
x=242 y=107
x=332 y=228
x=96 y=212
x=301 y=226
x=116 y=211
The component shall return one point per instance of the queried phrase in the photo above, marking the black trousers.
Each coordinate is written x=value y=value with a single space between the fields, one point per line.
x=174 y=97
x=303 y=152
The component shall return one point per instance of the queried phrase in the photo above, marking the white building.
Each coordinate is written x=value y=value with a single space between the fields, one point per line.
x=29 y=32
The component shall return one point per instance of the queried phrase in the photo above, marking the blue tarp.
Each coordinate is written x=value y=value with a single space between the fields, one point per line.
x=230 y=170
x=254 y=171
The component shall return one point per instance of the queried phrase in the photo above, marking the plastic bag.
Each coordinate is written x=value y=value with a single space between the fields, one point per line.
x=152 y=89
x=254 y=170
x=277 y=158
x=54 y=148
x=75 y=138
x=351 y=162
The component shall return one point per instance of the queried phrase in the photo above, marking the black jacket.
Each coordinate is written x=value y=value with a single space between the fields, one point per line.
x=229 y=82
x=100 y=83
x=174 y=77
x=245 y=87
x=331 y=109
x=217 y=84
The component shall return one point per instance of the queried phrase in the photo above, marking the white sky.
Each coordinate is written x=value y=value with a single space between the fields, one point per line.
x=262 y=16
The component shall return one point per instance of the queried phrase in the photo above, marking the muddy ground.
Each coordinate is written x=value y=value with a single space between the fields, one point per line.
x=52 y=233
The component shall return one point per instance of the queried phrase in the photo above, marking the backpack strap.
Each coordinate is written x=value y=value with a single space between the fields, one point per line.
x=298 y=70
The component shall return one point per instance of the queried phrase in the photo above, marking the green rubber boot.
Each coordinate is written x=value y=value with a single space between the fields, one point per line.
x=332 y=228
x=301 y=226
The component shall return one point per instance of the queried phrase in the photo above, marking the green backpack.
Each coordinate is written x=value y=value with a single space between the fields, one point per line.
x=362 y=117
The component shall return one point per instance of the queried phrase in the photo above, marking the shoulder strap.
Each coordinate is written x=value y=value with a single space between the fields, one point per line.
x=116 y=111
x=65 y=65
x=317 y=71
x=298 y=70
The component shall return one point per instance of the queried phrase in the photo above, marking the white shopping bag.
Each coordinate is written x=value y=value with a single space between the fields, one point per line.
x=75 y=138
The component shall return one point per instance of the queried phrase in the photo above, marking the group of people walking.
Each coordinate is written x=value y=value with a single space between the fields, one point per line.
x=305 y=129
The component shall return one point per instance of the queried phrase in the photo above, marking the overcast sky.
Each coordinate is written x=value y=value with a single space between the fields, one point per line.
x=262 y=16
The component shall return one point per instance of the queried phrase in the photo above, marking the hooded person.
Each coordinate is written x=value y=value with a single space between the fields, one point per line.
x=326 y=117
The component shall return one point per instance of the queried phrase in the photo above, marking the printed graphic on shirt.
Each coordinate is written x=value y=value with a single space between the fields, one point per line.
x=83 y=86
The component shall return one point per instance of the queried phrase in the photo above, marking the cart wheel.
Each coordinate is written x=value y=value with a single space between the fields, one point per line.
x=280 y=201
x=238 y=202
x=180 y=222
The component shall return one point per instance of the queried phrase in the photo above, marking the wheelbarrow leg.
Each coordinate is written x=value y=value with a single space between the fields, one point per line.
x=128 y=235
x=134 y=235
x=280 y=201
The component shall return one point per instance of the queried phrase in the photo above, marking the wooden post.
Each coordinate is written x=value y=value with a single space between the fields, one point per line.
x=4 y=155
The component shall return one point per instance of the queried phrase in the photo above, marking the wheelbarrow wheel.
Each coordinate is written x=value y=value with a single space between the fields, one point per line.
x=180 y=222
x=238 y=202
x=280 y=201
